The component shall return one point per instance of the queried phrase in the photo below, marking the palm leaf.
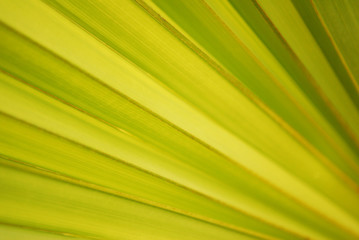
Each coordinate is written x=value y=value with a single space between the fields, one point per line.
x=154 y=119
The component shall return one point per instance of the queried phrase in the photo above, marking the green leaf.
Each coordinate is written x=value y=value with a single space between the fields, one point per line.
x=155 y=119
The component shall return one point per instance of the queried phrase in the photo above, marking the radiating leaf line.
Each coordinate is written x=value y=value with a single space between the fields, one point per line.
x=338 y=118
x=211 y=148
x=71 y=180
x=345 y=64
x=149 y=119
x=325 y=44
x=67 y=235
x=192 y=136
x=352 y=163
x=284 y=54
x=341 y=175
x=131 y=100
x=171 y=181
x=341 y=21
x=313 y=150
x=292 y=132
x=35 y=173
x=140 y=199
